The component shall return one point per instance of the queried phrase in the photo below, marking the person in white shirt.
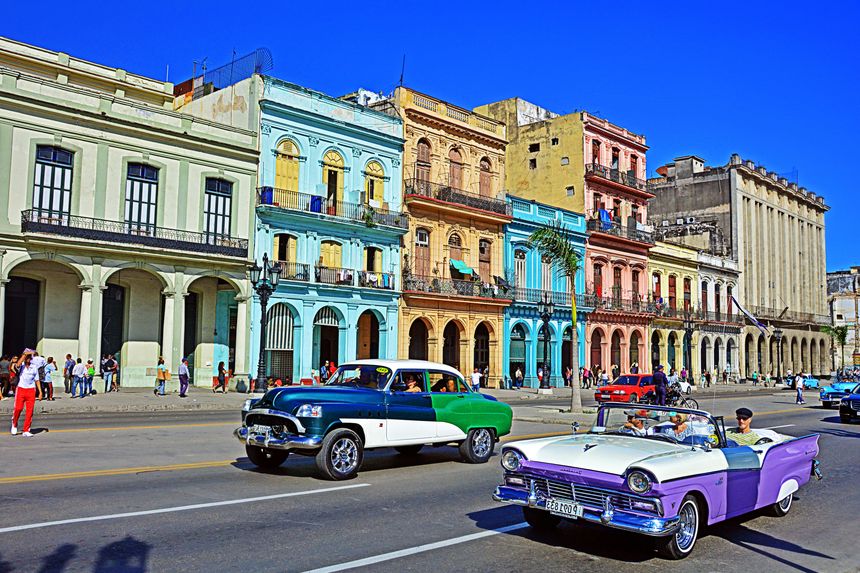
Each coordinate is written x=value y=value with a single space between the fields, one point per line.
x=79 y=375
x=798 y=381
x=476 y=380
x=27 y=392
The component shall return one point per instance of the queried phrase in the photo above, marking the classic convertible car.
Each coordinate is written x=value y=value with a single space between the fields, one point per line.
x=654 y=471
x=366 y=404
x=831 y=395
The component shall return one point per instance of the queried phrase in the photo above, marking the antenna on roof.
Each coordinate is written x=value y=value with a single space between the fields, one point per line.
x=402 y=70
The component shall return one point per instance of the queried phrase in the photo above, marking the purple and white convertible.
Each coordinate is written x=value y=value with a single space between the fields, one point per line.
x=657 y=471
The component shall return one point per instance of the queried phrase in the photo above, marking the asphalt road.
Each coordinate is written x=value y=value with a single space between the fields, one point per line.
x=174 y=492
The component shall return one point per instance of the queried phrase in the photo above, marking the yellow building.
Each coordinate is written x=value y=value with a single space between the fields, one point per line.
x=545 y=153
x=673 y=272
x=452 y=308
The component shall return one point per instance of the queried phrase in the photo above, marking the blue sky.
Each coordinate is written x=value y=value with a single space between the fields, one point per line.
x=777 y=83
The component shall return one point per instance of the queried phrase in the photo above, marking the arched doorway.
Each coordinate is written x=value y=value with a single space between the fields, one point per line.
x=481 y=353
x=670 y=351
x=280 y=340
x=760 y=354
x=635 y=341
x=804 y=356
x=22 y=326
x=418 y=340
x=688 y=344
x=209 y=333
x=730 y=355
x=596 y=351
x=367 y=341
x=615 y=350
x=566 y=350
x=718 y=355
x=517 y=352
x=822 y=356
x=748 y=355
x=327 y=336
x=451 y=345
x=794 y=361
x=704 y=354
x=655 y=350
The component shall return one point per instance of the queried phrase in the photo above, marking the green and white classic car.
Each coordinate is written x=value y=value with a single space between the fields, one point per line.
x=367 y=404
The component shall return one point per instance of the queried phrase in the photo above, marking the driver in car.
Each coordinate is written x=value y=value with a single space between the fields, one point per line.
x=635 y=425
x=743 y=434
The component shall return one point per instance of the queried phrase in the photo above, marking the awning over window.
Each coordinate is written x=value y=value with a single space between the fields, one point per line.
x=462 y=267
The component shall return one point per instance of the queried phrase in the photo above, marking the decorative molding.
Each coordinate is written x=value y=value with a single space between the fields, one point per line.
x=313 y=141
x=356 y=152
x=266 y=129
x=395 y=163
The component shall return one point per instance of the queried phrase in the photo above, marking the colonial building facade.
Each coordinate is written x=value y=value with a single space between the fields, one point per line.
x=843 y=299
x=529 y=343
x=775 y=231
x=452 y=308
x=124 y=224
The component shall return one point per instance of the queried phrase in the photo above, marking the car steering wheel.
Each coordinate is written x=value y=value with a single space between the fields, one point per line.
x=763 y=441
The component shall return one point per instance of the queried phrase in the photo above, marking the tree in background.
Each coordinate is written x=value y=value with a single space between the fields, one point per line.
x=838 y=334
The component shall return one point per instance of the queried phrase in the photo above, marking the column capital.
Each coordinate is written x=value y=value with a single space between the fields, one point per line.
x=245 y=298
x=169 y=293
x=86 y=287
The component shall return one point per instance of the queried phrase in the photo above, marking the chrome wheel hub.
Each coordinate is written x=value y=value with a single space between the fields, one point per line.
x=785 y=503
x=688 y=528
x=344 y=455
x=482 y=443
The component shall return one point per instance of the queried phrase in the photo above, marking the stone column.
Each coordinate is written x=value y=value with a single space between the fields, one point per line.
x=167 y=330
x=2 y=309
x=85 y=322
x=242 y=337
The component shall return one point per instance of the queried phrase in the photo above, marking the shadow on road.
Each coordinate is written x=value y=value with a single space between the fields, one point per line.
x=128 y=555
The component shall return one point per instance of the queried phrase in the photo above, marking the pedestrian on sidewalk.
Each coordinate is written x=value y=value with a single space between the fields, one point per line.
x=518 y=379
x=39 y=362
x=661 y=385
x=184 y=376
x=107 y=372
x=476 y=380
x=26 y=393
x=222 y=379
x=160 y=377
x=4 y=376
x=79 y=375
x=48 y=384
x=91 y=373
x=755 y=378
x=68 y=378
x=798 y=381
x=707 y=376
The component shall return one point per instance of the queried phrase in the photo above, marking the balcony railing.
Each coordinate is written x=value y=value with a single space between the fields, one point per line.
x=619 y=230
x=789 y=315
x=102 y=230
x=718 y=316
x=307 y=203
x=624 y=177
x=295 y=271
x=623 y=304
x=450 y=194
x=415 y=283
x=372 y=279
x=335 y=276
x=521 y=294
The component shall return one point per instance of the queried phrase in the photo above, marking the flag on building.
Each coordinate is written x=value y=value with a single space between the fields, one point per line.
x=749 y=315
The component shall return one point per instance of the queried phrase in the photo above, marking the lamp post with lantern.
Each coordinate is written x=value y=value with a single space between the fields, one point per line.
x=688 y=336
x=264 y=280
x=777 y=333
x=545 y=309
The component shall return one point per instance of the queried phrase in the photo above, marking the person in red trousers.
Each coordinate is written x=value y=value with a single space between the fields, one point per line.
x=26 y=393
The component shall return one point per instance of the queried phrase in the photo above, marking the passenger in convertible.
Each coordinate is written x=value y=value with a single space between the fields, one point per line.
x=743 y=434
x=635 y=425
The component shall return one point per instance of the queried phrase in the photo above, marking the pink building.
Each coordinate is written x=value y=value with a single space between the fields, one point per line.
x=616 y=262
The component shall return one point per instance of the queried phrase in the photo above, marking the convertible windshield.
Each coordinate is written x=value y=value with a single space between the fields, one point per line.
x=627 y=381
x=667 y=425
x=361 y=376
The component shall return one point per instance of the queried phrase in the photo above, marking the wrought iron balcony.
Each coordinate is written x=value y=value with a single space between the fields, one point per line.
x=789 y=315
x=307 y=203
x=335 y=276
x=295 y=271
x=623 y=304
x=373 y=279
x=534 y=295
x=415 y=283
x=618 y=176
x=618 y=230
x=102 y=230
x=448 y=194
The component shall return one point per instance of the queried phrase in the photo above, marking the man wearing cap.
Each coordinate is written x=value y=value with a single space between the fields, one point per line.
x=661 y=385
x=635 y=425
x=743 y=435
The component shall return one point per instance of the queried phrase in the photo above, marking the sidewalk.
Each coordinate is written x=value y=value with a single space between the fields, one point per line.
x=563 y=394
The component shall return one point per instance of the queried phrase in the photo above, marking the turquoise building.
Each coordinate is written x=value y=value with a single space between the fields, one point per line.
x=329 y=209
x=536 y=279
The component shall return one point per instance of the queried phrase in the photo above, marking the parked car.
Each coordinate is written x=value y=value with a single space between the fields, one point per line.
x=625 y=388
x=849 y=406
x=831 y=395
x=634 y=472
x=367 y=404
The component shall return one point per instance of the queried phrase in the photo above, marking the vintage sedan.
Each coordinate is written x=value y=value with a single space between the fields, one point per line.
x=367 y=404
x=655 y=471
x=625 y=388
x=831 y=395
x=849 y=406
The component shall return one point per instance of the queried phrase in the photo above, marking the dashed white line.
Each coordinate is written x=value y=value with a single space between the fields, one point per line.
x=177 y=508
x=778 y=427
x=418 y=549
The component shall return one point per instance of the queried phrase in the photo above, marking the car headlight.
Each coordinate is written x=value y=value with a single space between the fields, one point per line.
x=618 y=391
x=309 y=411
x=512 y=460
x=638 y=482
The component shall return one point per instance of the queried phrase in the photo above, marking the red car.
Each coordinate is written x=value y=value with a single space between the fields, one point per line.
x=627 y=388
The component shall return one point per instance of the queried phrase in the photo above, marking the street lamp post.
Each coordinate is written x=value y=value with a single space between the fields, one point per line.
x=545 y=308
x=777 y=333
x=688 y=335
x=264 y=280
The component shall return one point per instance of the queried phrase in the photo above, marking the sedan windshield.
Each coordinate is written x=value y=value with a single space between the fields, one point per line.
x=676 y=427
x=361 y=376
x=627 y=381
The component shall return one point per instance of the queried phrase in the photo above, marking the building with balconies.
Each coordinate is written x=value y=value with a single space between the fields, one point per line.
x=124 y=225
x=774 y=230
x=453 y=303
x=533 y=280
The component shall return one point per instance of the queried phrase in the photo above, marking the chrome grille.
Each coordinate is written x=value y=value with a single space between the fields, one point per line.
x=586 y=495
x=855 y=405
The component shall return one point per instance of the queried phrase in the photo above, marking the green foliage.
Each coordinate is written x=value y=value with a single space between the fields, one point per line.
x=556 y=241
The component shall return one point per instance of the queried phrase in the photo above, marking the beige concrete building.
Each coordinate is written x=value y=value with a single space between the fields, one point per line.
x=124 y=225
x=775 y=231
x=843 y=299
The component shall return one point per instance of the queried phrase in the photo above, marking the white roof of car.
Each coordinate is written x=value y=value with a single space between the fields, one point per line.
x=406 y=365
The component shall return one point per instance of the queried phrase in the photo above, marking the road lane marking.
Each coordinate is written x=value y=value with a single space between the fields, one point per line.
x=418 y=549
x=778 y=427
x=116 y=471
x=177 y=508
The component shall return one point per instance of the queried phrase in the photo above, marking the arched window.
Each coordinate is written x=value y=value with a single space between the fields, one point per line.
x=688 y=295
x=455 y=169
x=422 y=252
x=656 y=287
x=595 y=152
x=672 y=292
x=141 y=198
x=598 y=280
x=717 y=302
x=374 y=178
x=485 y=258
x=703 y=300
x=520 y=268
x=333 y=179
x=52 y=184
x=455 y=247
x=546 y=273
x=422 y=164
x=373 y=259
x=285 y=248
x=287 y=166
x=485 y=183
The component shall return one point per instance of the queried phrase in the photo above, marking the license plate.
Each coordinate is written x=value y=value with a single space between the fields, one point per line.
x=257 y=429
x=568 y=509
x=605 y=396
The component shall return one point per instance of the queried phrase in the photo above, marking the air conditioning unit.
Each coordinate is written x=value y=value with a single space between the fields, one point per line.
x=691 y=220
x=679 y=221
x=664 y=223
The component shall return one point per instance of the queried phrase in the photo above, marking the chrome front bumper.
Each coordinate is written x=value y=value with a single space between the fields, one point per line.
x=287 y=442
x=608 y=515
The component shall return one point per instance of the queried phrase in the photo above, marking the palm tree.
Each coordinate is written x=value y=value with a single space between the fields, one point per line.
x=838 y=334
x=556 y=242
